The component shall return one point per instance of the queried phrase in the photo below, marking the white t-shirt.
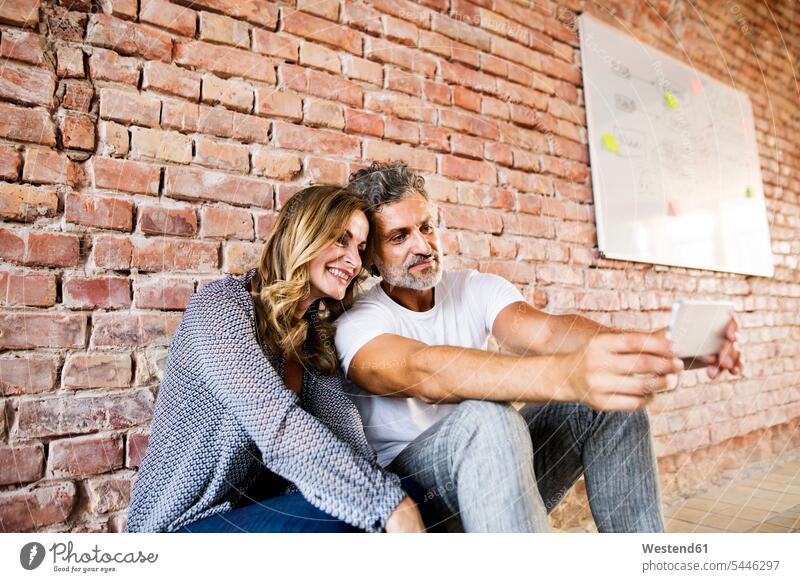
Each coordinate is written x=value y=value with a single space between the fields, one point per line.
x=465 y=306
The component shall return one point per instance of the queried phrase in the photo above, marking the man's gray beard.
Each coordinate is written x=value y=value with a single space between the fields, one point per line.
x=401 y=277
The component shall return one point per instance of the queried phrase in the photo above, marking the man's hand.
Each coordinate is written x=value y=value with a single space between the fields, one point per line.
x=405 y=518
x=729 y=357
x=621 y=371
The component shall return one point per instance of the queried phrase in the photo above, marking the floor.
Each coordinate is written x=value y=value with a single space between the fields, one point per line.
x=766 y=502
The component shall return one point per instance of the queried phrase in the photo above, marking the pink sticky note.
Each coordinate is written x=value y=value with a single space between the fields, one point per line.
x=672 y=208
x=697 y=88
x=746 y=127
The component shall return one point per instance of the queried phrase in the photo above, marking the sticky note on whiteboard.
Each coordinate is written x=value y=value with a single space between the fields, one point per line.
x=610 y=142
x=670 y=100
x=697 y=87
x=672 y=208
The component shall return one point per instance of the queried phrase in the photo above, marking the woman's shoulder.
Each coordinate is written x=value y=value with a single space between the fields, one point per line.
x=223 y=299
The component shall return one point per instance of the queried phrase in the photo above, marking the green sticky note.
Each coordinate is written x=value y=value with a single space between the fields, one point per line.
x=749 y=192
x=610 y=142
x=669 y=98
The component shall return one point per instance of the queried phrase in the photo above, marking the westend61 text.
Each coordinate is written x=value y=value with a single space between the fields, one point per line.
x=673 y=549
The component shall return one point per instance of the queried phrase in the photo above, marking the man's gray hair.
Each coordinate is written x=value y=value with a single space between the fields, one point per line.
x=385 y=182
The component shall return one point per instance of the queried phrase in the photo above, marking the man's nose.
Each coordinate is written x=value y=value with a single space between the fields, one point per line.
x=421 y=244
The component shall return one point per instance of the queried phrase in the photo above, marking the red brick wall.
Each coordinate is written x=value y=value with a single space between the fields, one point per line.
x=146 y=145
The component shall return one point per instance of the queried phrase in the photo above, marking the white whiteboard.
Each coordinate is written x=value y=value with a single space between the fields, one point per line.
x=675 y=168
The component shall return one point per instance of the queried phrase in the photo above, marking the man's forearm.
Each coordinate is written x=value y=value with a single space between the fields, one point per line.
x=570 y=332
x=452 y=374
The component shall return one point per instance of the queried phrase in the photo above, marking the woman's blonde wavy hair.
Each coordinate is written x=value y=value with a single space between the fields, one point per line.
x=310 y=221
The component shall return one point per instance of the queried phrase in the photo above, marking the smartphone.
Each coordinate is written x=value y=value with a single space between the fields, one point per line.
x=698 y=329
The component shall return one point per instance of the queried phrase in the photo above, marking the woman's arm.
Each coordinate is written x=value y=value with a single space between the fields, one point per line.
x=294 y=444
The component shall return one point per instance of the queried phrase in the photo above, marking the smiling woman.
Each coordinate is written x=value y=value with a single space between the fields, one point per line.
x=252 y=431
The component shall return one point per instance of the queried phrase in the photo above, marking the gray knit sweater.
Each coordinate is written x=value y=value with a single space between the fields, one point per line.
x=224 y=421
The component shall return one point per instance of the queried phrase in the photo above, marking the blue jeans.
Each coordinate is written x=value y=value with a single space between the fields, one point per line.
x=487 y=467
x=282 y=514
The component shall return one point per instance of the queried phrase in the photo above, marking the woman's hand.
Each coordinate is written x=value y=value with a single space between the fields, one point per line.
x=405 y=518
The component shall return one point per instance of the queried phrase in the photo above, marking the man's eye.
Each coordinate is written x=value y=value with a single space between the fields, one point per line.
x=398 y=238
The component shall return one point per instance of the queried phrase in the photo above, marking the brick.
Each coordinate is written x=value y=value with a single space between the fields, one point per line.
x=472 y=219
x=162 y=220
x=498 y=152
x=275 y=45
x=33 y=289
x=134 y=330
x=468 y=146
x=166 y=15
x=249 y=128
x=125 y=175
x=105 y=65
x=598 y=301
x=170 y=146
x=561 y=274
x=157 y=254
x=240 y=257
x=96 y=292
x=398 y=130
x=223 y=155
x=113 y=139
x=77 y=131
x=99 y=211
x=363 y=122
x=83 y=413
x=29 y=373
x=26 y=203
x=362 y=17
x=321 y=113
x=42 y=249
x=321 y=84
x=463 y=169
x=328 y=9
x=23 y=124
x=77 y=95
x=402 y=106
x=107 y=493
x=272 y=103
x=404 y=82
x=381 y=151
x=225 y=222
x=264 y=223
x=319 y=141
x=273 y=164
x=44 y=166
x=265 y=15
x=128 y=107
x=235 y=95
x=362 y=70
x=97 y=370
x=20 y=45
x=172 y=80
x=137 y=446
x=320 y=30
x=320 y=57
x=69 y=62
x=112 y=252
x=466 y=99
x=469 y=123
x=198 y=184
x=25 y=330
x=383 y=51
x=21 y=463
x=225 y=61
x=121 y=8
x=577 y=232
x=129 y=38
x=27 y=510
x=324 y=171
x=528 y=225
x=400 y=31
x=83 y=456
x=435 y=138
x=164 y=294
x=225 y=30
x=20 y=13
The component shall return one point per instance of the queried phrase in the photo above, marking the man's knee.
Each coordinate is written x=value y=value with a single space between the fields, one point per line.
x=486 y=420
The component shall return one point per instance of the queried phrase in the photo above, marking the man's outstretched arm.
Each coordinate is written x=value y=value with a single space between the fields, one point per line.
x=601 y=376
x=522 y=329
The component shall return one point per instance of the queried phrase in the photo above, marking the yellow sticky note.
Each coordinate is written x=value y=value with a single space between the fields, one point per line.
x=749 y=192
x=610 y=142
x=669 y=98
